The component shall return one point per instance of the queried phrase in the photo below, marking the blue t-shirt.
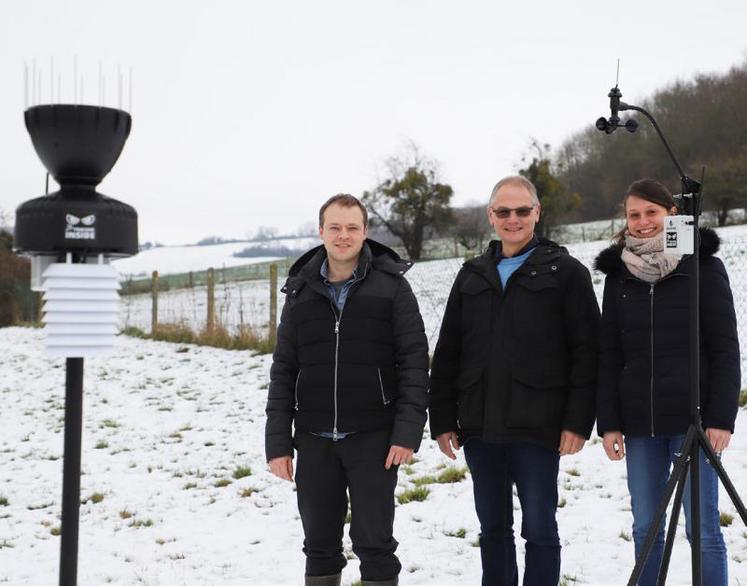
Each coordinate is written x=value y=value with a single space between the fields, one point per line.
x=507 y=265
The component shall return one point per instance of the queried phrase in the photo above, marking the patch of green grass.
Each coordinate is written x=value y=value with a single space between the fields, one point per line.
x=451 y=475
x=4 y=502
x=134 y=332
x=108 y=423
x=624 y=535
x=101 y=445
x=573 y=472
x=423 y=480
x=460 y=533
x=725 y=519
x=562 y=502
x=241 y=472
x=419 y=494
x=5 y=543
x=223 y=482
x=95 y=498
x=141 y=523
x=743 y=398
x=247 y=492
x=566 y=579
x=190 y=485
x=55 y=531
x=124 y=514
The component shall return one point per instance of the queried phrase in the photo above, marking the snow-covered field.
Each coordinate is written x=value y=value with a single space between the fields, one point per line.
x=166 y=426
x=171 y=431
x=247 y=302
x=182 y=259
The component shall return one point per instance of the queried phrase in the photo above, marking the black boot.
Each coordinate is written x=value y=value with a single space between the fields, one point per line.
x=333 y=580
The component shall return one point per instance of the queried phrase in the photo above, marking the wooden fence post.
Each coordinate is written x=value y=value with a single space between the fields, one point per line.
x=210 y=300
x=273 y=333
x=154 y=308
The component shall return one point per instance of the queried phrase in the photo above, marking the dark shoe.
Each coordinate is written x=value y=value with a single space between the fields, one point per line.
x=333 y=580
x=390 y=582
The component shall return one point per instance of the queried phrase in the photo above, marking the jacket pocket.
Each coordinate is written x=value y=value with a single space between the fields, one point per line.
x=532 y=407
x=386 y=382
x=470 y=399
x=295 y=389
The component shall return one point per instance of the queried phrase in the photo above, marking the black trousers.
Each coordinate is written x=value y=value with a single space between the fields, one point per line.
x=326 y=471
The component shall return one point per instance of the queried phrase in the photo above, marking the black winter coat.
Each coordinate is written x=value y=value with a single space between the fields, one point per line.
x=645 y=355
x=362 y=370
x=518 y=363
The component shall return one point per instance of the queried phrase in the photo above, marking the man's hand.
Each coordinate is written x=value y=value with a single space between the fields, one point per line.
x=613 y=445
x=447 y=441
x=570 y=442
x=719 y=439
x=398 y=455
x=282 y=467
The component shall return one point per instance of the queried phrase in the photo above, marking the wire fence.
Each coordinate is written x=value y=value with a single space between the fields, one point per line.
x=247 y=303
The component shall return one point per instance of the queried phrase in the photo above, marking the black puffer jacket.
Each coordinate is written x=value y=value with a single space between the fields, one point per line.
x=363 y=370
x=644 y=361
x=518 y=363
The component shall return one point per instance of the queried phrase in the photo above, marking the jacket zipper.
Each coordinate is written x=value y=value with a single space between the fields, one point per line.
x=381 y=386
x=651 y=384
x=338 y=319
x=298 y=377
x=337 y=351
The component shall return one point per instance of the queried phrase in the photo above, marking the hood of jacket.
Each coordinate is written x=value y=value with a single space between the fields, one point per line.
x=609 y=261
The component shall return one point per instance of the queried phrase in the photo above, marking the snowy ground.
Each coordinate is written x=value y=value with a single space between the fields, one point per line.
x=182 y=259
x=165 y=426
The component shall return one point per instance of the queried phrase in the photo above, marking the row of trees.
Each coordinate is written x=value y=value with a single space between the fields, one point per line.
x=705 y=121
x=414 y=204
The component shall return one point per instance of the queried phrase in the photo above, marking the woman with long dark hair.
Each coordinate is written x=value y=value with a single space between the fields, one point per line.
x=643 y=400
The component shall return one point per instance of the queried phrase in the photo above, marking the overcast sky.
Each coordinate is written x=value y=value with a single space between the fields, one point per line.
x=249 y=114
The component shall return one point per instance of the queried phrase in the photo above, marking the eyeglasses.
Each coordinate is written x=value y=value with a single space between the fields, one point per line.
x=504 y=213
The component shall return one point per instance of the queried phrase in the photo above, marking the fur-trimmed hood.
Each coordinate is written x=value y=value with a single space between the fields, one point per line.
x=609 y=261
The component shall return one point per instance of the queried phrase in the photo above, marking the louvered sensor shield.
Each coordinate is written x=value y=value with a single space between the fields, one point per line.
x=80 y=309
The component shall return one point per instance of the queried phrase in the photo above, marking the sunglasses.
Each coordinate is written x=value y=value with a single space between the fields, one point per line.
x=505 y=213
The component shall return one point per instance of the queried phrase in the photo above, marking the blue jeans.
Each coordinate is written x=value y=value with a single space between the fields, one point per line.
x=534 y=470
x=649 y=461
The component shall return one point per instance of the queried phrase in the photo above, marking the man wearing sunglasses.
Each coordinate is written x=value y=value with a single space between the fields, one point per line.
x=513 y=381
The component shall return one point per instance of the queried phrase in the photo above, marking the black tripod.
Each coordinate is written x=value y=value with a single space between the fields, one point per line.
x=695 y=439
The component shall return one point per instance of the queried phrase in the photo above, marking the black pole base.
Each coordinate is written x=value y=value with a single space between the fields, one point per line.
x=71 y=472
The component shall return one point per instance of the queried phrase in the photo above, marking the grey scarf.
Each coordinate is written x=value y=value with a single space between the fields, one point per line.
x=646 y=259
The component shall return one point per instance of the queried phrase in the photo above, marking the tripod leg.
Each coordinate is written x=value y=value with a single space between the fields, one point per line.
x=672 y=530
x=725 y=480
x=678 y=473
x=695 y=546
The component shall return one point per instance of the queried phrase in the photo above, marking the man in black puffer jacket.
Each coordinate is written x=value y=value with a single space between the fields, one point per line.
x=350 y=371
x=513 y=380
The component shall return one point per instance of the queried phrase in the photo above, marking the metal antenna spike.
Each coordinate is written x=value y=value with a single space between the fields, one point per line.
x=617 y=76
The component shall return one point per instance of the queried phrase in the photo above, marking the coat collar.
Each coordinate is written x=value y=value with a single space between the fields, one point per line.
x=609 y=261
x=374 y=255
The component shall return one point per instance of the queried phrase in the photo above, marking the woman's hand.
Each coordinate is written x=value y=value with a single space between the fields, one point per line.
x=613 y=445
x=719 y=439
